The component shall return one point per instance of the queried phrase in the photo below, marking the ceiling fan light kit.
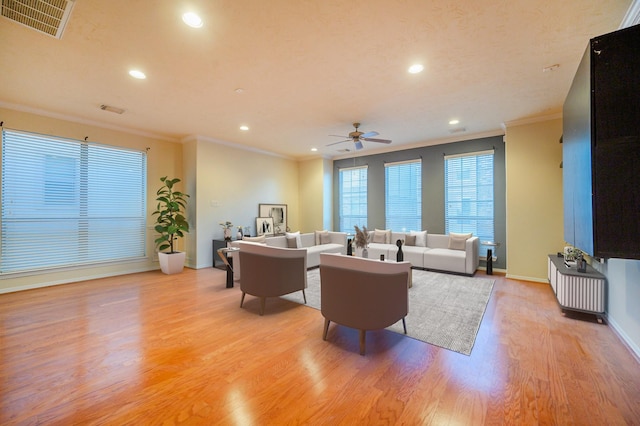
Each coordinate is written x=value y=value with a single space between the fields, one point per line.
x=358 y=137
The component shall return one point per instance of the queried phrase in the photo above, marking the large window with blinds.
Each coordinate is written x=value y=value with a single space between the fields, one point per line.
x=69 y=203
x=469 y=195
x=352 y=198
x=403 y=195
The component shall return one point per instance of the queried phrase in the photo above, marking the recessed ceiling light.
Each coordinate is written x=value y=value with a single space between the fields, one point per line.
x=239 y=90
x=452 y=122
x=192 y=20
x=416 y=68
x=314 y=149
x=137 y=74
x=244 y=128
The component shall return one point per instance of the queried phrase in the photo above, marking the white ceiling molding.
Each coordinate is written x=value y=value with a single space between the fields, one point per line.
x=74 y=119
x=531 y=120
x=200 y=138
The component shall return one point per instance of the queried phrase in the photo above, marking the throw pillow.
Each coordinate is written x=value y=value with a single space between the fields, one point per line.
x=318 y=236
x=260 y=239
x=379 y=237
x=325 y=238
x=291 y=242
x=410 y=240
x=295 y=235
x=387 y=235
x=458 y=241
x=421 y=238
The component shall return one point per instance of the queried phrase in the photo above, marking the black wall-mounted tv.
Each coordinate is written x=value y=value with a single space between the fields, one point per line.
x=601 y=148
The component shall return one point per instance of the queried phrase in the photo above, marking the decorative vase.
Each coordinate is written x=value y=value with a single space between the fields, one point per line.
x=227 y=234
x=239 y=234
x=349 y=248
x=365 y=253
x=400 y=255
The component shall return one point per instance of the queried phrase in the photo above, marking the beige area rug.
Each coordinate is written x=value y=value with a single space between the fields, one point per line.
x=444 y=309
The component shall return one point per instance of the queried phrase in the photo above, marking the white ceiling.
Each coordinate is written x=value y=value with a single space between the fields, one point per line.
x=309 y=68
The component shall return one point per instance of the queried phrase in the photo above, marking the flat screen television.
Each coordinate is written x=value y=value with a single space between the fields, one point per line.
x=601 y=148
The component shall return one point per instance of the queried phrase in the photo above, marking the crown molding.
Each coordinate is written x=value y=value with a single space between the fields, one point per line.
x=200 y=138
x=74 y=119
x=440 y=141
x=531 y=120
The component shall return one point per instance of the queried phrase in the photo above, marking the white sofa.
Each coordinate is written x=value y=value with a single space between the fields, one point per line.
x=335 y=242
x=436 y=254
x=311 y=241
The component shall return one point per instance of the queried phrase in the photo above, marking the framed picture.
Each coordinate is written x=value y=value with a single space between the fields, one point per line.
x=278 y=212
x=264 y=226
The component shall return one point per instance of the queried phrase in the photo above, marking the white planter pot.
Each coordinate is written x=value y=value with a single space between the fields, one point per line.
x=171 y=263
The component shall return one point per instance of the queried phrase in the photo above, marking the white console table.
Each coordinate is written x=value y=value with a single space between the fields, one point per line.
x=577 y=291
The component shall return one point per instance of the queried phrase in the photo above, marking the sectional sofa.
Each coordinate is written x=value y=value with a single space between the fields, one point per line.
x=458 y=253
x=313 y=242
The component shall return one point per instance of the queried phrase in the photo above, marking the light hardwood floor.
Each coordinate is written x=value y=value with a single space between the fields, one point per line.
x=155 y=349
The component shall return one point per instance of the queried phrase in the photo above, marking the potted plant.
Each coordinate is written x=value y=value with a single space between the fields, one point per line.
x=170 y=224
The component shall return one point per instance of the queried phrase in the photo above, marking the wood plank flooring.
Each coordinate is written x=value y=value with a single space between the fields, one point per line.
x=155 y=349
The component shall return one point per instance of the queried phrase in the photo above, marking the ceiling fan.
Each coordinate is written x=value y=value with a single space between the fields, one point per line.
x=358 y=137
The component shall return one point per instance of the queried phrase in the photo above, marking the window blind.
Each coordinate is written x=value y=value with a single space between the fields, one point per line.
x=469 y=195
x=352 y=198
x=403 y=195
x=68 y=203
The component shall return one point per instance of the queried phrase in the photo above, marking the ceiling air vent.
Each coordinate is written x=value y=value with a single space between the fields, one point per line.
x=46 y=16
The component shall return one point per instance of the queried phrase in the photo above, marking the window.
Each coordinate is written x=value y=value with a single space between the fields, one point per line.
x=469 y=195
x=353 y=198
x=67 y=203
x=403 y=195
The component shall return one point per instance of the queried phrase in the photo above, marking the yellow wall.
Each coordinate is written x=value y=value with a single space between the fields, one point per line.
x=315 y=195
x=163 y=158
x=534 y=197
x=230 y=183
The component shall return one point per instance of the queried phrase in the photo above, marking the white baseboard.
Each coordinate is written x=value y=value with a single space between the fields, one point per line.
x=75 y=280
x=633 y=348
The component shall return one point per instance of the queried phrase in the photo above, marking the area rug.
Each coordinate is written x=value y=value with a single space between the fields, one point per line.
x=444 y=309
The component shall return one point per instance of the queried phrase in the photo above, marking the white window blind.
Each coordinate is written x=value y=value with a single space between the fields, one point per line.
x=69 y=203
x=352 y=198
x=403 y=195
x=469 y=195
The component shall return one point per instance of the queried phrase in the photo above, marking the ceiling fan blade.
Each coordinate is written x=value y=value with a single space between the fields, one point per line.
x=377 y=140
x=369 y=134
x=358 y=144
x=335 y=143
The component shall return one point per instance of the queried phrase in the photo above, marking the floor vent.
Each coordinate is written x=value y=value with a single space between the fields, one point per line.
x=46 y=16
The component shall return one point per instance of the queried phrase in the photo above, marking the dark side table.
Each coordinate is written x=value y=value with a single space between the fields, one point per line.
x=223 y=254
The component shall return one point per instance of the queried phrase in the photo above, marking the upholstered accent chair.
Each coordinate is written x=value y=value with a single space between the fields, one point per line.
x=365 y=294
x=271 y=271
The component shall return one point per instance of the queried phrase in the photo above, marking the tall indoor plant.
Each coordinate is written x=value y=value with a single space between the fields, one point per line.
x=170 y=224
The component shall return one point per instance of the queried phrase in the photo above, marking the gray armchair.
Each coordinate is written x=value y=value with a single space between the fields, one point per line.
x=365 y=294
x=271 y=271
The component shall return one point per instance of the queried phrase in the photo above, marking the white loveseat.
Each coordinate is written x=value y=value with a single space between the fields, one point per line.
x=313 y=242
x=439 y=252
